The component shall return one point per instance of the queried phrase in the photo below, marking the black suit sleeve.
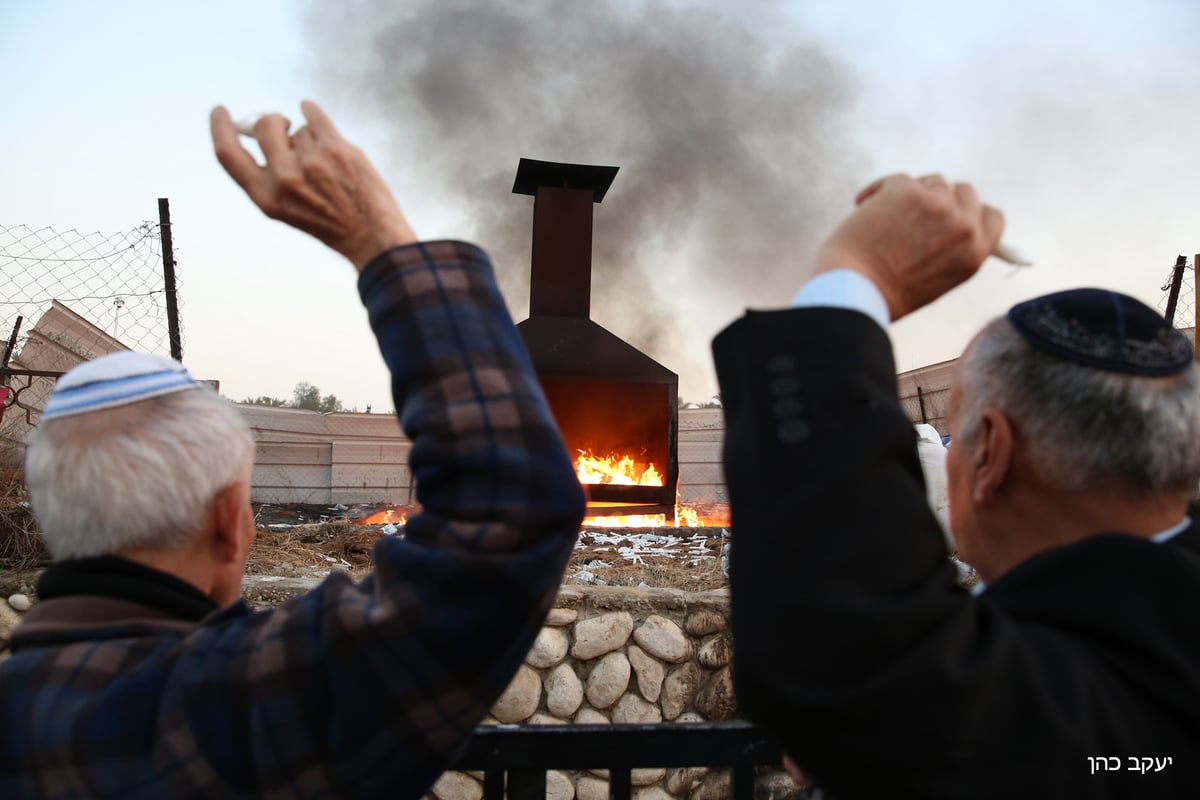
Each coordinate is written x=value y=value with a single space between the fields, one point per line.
x=853 y=641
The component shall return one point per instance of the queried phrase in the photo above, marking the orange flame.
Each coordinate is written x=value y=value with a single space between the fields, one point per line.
x=615 y=469
x=393 y=516
x=628 y=521
x=685 y=517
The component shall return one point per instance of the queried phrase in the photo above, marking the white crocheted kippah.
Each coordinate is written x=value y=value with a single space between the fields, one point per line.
x=116 y=380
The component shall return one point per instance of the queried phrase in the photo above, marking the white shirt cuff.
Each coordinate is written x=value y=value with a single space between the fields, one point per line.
x=845 y=288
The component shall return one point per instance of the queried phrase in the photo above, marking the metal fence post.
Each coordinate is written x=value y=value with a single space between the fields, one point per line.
x=12 y=343
x=1176 y=283
x=168 y=256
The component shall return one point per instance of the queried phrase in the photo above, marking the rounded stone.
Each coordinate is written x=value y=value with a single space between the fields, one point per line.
x=559 y=786
x=662 y=638
x=9 y=619
x=520 y=699
x=542 y=718
x=705 y=622
x=601 y=634
x=715 y=786
x=647 y=777
x=591 y=788
x=548 y=649
x=679 y=689
x=651 y=793
x=560 y=617
x=649 y=672
x=457 y=786
x=564 y=691
x=633 y=710
x=608 y=681
x=715 y=699
x=716 y=652
x=20 y=602
x=776 y=785
x=590 y=716
x=682 y=780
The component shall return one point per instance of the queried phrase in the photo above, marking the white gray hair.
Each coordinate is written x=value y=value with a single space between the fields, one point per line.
x=139 y=476
x=1086 y=427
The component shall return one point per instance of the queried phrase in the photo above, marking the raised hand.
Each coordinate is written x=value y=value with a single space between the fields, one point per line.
x=916 y=238
x=316 y=181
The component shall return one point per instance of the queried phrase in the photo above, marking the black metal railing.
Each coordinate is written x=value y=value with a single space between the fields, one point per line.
x=522 y=754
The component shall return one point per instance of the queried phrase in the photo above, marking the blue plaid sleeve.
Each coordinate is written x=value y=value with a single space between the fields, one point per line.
x=363 y=690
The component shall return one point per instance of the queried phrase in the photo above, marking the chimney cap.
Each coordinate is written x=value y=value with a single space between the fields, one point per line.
x=532 y=173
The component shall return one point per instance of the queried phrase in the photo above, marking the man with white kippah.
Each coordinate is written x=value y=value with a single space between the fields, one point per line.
x=1075 y=671
x=141 y=673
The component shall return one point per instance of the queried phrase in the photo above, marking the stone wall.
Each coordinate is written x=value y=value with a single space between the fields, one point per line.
x=617 y=655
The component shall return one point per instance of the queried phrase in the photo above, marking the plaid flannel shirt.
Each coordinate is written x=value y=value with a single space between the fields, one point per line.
x=350 y=690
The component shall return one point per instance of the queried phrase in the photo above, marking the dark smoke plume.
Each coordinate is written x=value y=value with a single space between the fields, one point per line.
x=731 y=145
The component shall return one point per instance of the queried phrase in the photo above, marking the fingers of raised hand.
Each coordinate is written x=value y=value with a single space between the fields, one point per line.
x=236 y=160
x=302 y=140
x=271 y=131
x=935 y=181
x=993 y=226
x=987 y=221
x=958 y=205
x=320 y=123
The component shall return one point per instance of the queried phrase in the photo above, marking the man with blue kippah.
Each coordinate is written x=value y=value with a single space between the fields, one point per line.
x=1074 y=670
x=141 y=674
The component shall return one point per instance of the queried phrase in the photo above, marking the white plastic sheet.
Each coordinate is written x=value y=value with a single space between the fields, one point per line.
x=932 y=453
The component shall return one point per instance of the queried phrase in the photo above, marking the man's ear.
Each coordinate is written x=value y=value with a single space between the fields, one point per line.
x=993 y=455
x=229 y=507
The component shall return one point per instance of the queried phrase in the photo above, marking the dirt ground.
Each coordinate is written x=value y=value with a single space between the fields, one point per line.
x=308 y=541
x=297 y=540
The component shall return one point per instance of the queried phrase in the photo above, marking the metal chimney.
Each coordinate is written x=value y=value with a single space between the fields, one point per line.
x=605 y=394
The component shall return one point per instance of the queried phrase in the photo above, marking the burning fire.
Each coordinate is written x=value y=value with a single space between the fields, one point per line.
x=627 y=471
x=615 y=469
x=685 y=517
x=394 y=516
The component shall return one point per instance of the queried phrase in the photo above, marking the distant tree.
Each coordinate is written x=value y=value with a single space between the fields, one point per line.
x=307 y=396
x=274 y=402
x=714 y=403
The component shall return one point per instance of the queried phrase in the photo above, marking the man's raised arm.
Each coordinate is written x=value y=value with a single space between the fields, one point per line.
x=841 y=589
x=373 y=687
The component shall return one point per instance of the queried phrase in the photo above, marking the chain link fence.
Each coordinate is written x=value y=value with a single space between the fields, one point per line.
x=68 y=297
x=927 y=403
x=1178 y=302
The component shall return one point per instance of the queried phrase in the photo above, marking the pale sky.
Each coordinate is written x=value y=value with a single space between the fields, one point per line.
x=1077 y=118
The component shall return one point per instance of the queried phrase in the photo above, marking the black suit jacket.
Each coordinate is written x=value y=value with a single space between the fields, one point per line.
x=857 y=647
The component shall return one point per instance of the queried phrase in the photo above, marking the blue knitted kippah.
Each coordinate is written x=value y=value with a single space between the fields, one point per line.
x=116 y=380
x=1103 y=329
